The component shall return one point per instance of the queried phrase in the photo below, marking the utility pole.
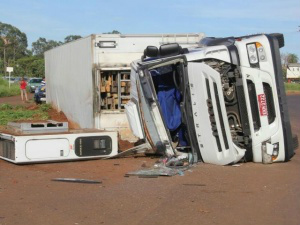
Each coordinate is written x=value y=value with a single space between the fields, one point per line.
x=4 y=59
x=9 y=70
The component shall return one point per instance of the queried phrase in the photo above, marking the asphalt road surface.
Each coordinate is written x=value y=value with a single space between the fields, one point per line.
x=207 y=194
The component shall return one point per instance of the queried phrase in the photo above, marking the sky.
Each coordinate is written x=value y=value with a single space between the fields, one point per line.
x=56 y=19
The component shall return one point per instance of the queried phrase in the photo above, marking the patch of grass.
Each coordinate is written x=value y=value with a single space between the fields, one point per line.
x=6 y=106
x=5 y=91
x=9 y=113
x=292 y=87
x=19 y=107
x=45 y=107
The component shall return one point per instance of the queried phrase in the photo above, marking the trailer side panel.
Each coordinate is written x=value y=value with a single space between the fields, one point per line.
x=68 y=70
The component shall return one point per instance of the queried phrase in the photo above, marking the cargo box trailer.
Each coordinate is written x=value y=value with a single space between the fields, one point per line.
x=89 y=79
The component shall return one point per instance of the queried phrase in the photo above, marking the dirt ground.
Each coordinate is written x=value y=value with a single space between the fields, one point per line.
x=16 y=100
x=207 y=194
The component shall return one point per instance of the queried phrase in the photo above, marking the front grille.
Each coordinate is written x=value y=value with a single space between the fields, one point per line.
x=254 y=104
x=212 y=116
x=7 y=149
x=270 y=102
x=221 y=116
x=242 y=107
x=208 y=88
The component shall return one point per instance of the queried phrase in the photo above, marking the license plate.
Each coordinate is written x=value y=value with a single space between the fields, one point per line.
x=262 y=105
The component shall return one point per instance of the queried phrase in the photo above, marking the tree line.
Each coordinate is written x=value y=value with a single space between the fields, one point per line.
x=14 y=51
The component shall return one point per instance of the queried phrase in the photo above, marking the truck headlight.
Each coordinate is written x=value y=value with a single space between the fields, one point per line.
x=261 y=52
x=252 y=53
x=256 y=54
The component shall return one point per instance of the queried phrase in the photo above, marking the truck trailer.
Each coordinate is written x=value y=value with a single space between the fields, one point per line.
x=219 y=103
x=89 y=79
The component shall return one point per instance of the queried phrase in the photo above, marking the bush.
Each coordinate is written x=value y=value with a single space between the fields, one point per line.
x=9 y=113
x=19 y=107
x=5 y=91
x=292 y=86
x=5 y=106
x=45 y=107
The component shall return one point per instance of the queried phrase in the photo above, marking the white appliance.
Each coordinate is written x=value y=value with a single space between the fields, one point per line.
x=68 y=146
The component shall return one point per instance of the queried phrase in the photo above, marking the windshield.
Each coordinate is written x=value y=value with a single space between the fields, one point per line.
x=35 y=80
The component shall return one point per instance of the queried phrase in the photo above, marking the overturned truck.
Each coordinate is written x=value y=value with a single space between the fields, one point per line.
x=219 y=103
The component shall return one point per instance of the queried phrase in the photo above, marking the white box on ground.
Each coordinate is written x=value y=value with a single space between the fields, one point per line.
x=70 y=146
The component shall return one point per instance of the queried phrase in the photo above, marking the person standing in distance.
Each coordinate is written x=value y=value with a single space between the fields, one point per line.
x=23 y=86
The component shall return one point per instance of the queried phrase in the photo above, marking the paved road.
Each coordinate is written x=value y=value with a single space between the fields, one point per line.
x=249 y=194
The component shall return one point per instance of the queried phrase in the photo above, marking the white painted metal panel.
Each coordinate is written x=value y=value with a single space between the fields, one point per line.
x=47 y=148
x=198 y=73
x=128 y=48
x=134 y=119
x=69 y=81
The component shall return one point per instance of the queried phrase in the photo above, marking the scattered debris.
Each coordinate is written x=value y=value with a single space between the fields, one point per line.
x=156 y=171
x=74 y=180
x=144 y=164
x=132 y=151
x=164 y=167
x=124 y=145
x=35 y=127
x=148 y=176
x=204 y=211
x=180 y=173
x=198 y=185
x=236 y=165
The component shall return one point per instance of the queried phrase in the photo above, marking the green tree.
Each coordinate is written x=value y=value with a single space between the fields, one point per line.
x=42 y=45
x=30 y=66
x=38 y=67
x=72 y=38
x=13 y=44
x=113 y=32
x=292 y=58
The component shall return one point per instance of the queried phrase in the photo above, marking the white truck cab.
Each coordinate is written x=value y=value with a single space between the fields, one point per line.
x=223 y=101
